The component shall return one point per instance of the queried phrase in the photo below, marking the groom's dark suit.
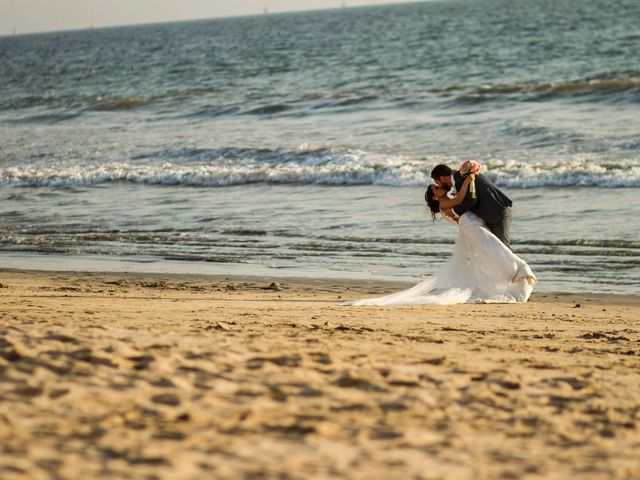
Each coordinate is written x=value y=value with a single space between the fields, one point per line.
x=490 y=204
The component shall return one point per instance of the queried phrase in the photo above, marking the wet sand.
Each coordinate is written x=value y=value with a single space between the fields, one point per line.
x=185 y=377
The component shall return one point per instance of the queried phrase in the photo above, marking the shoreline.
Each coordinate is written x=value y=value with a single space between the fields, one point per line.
x=183 y=377
x=347 y=285
x=148 y=265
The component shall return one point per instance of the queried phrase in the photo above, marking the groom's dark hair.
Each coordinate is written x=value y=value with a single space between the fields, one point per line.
x=441 y=171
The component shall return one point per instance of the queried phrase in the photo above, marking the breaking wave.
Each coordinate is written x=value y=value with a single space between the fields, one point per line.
x=309 y=165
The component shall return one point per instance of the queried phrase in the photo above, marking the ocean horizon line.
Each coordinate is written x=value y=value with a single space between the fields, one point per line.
x=262 y=14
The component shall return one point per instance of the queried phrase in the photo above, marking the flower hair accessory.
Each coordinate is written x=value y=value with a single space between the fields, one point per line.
x=470 y=166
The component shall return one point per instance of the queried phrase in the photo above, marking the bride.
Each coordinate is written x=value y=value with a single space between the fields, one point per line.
x=481 y=270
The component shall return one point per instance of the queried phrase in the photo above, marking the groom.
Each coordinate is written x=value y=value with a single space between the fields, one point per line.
x=490 y=204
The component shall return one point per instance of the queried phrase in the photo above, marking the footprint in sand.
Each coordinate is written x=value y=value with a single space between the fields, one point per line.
x=282 y=361
x=170 y=399
x=141 y=362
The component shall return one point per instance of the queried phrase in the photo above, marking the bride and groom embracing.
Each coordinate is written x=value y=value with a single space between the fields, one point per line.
x=482 y=269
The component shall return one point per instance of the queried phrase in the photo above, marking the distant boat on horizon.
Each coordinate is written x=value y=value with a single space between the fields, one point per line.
x=266 y=10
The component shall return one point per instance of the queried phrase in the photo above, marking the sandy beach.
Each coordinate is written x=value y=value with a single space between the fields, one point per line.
x=184 y=377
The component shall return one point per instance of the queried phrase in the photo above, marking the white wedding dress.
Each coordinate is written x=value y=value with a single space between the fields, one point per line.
x=481 y=270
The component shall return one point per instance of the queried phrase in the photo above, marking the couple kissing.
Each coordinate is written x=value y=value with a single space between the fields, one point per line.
x=482 y=267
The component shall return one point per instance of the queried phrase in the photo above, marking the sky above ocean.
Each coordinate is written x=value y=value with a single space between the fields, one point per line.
x=30 y=16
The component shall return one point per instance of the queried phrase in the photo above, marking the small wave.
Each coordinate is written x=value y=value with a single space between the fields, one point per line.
x=268 y=109
x=49 y=101
x=603 y=88
x=300 y=106
x=213 y=111
x=570 y=173
x=50 y=118
x=249 y=232
x=202 y=258
x=393 y=240
x=322 y=168
x=99 y=103
x=342 y=102
x=347 y=102
x=618 y=244
x=595 y=243
x=537 y=136
x=311 y=148
x=114 y=104
x=595 y=85
x=308 y=165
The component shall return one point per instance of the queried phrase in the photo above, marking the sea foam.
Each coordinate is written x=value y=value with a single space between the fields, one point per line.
x=310 y=165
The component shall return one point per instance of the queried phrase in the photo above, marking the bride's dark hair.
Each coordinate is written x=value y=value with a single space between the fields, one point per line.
x=432 y=201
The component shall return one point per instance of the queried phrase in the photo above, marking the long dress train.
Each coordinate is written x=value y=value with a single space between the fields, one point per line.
x=481 y=270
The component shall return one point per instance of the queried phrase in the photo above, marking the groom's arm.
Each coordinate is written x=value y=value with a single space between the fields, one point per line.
x=469 y=202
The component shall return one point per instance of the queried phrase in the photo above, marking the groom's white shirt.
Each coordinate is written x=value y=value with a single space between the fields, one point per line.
x=453 y=190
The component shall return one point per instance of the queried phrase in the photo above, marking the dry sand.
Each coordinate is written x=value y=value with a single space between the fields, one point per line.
x=174 y=377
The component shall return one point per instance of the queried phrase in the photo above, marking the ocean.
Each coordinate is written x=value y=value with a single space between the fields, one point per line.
x=300 y=144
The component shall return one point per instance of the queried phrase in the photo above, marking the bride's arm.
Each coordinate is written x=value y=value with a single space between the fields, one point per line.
x=449 y=203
